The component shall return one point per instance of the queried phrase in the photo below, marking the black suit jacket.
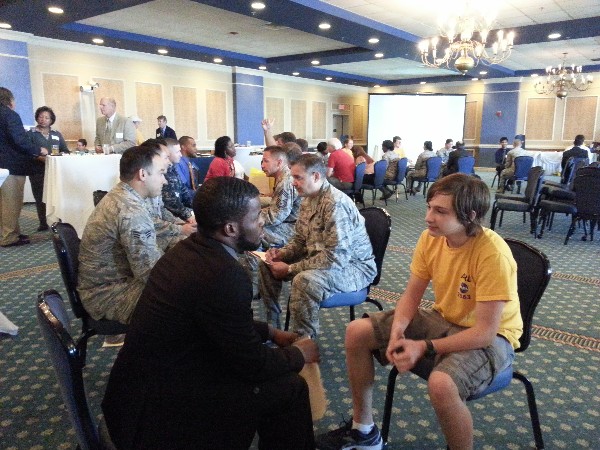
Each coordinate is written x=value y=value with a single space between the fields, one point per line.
x=452 y=165
x=191 y=344
x=574 y=152
x=169 y=133
x=17 y=149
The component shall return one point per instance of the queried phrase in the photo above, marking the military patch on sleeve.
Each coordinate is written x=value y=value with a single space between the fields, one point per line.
x=142 y=235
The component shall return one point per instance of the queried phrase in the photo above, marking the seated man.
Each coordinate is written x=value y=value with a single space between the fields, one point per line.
x=445 y=151
x=391 y=156
x=500 y=155
x=175 y=195
x=330 y=251
x=577 y=151
x=470 y=334
x=452 y=165
x=509 y=165
x=340 y=166
x=194 y=372
x=420 y=169
x=120 y=242
x=186 y=170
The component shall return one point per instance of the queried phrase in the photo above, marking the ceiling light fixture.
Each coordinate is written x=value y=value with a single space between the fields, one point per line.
x=328 y=78
x=533 y=75
x=373 y=41
x=217 y=60
x=554 y=36
x=55 y=10
x=324 y=26
x=257 y=5
x=483 y=72
x=295 y=73
x=5 y=25
x=262 y=67
x=474 y=79
x=162 y=51
x=378 y=55
x=563 y=79
x=98 y=41
x=376 y=86
x=315 y=62
x=423 y=82
x=466 y=32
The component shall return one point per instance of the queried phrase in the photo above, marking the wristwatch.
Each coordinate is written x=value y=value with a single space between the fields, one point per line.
x=430 y=350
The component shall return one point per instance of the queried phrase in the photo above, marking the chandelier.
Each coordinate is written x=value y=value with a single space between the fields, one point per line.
x=467 y=32
x=563 y=79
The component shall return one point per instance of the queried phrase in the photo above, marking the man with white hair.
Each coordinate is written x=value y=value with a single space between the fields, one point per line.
x=113 y=129
x=340 y=166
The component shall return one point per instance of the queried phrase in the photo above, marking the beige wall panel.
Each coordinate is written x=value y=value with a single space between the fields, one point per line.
x=186 y=113
x=216 y=114
x=470 y=120
x=275 y=111
x=539 y=119
x=298 y=118
x=112 y=89
x=580 y=117
x=149 y=105
x=319 y=120
x=358 y=122
x=61 y=93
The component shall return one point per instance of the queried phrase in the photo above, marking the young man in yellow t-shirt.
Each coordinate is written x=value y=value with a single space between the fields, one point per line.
x=470 y=334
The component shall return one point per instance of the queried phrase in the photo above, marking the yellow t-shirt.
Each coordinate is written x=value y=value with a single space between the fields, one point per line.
x=400 y=152
x=483 y=269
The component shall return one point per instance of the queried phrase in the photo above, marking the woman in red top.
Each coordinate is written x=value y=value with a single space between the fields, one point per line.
x=222 y=164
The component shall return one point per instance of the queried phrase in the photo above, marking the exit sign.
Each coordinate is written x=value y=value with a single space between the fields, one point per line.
x=340 y=106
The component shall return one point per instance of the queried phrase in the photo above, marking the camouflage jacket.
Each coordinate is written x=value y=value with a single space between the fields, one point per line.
x=281 y=214
x=331 y=235
x=175 y=195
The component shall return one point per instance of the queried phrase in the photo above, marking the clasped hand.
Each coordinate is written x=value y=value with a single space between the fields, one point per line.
x=404 y=353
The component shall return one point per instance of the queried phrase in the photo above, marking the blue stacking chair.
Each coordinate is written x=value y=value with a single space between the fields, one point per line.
x=379 y=226
x=434 y=166
x=201 y=164
x=380 y=168
x=466 y=164
x=533 y=276
x=359 y=174
x=400 y=176
x=522 y=166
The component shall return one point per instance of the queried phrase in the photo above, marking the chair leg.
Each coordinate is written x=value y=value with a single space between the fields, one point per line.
x=387 y=409
x=524 y=217
x=493 y=218
x=374 y=302
x=533 y=412
x=287 y=317
x=352 y=313
x=501 y=217
x=518 y=183
x=571 y=229
x=425 y=184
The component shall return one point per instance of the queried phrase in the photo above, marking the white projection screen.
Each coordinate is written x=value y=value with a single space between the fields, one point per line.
x=416 y=119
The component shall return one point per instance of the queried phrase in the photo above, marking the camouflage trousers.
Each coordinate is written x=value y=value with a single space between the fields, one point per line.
x=115 y=301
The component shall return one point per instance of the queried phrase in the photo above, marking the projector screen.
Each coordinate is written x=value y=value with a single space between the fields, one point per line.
x=416 y=119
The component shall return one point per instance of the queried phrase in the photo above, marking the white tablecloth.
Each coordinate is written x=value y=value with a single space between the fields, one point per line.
x=3 y=175
x=549 y=161
x=70 y=182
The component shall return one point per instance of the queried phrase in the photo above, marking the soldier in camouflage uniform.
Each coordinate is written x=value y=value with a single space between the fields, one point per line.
x=120 y=244
x=330 y=251
x=175 y=195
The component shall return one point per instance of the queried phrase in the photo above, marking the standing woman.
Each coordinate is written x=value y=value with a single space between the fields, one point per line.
x=42 y=135
x=16 y=152
x=222 y=165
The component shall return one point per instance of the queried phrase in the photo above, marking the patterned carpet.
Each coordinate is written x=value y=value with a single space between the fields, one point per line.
x=563 y=360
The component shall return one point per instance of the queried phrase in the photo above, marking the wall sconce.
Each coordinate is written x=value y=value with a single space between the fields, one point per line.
x=498 y=114
x=89 y=87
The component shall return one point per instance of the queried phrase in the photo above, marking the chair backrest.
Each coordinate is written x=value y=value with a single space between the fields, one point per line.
x=98 y=195
x=379 y=226
x=434 y=166
x=380 y=168
x=587 y=191
x=522 y=166
x=466 y=164
x=201 y=164
x=571 y=167
x=402 y=169
x=359 y=174
x=68 y=364
x=534 y=184
x=533 y=276
x=66 y=245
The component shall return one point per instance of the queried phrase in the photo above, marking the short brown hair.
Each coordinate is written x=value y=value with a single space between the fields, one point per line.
x=469 y=194
x=6 y=97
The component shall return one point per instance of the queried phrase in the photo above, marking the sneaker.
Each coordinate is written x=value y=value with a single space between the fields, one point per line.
x=345 y=438
x=115 y=340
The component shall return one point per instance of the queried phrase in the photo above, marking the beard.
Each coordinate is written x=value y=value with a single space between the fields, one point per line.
x=244 y=244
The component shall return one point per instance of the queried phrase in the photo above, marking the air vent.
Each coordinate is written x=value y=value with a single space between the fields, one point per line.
x=274 y=27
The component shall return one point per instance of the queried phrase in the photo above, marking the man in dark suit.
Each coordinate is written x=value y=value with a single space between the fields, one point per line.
x=164 y=131
x=452 y=165
x=194 y=372
x=577 y=151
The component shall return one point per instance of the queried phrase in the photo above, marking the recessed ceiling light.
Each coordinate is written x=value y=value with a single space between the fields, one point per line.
x=218 y=60
x=295 y=73
x=163 y=51
x=475 y=79
x=324 y=26
x=262 y=67
x=98 y=41
x=533 y=75
x=378 y=55
x=423 y=82
x=376 y=86
x=6 y=26
x=554 y=36
x=328 y=78
x=483 y=72
x=315 y=62
x=257 y=5
x=55 y=10
x=373 y=41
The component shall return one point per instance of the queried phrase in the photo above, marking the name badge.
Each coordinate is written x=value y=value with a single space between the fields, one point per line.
x=119 y=135
x=55 y=138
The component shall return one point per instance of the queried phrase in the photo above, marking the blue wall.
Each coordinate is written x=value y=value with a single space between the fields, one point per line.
x=504 y=98
x=248 y=108
x=14 y=75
